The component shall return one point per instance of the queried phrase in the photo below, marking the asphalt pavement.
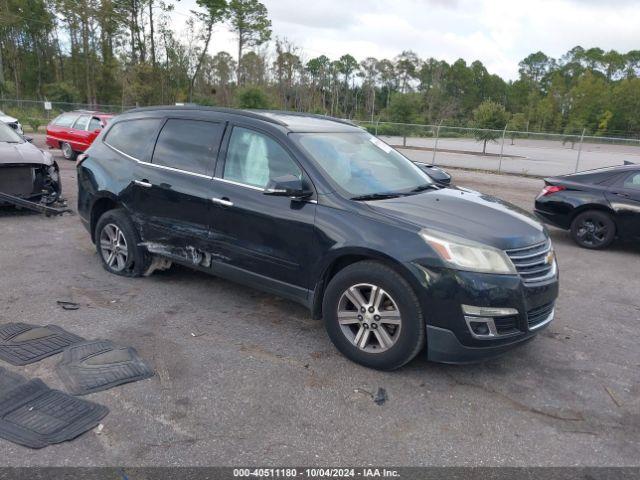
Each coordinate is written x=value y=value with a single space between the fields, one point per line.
x=246 y=378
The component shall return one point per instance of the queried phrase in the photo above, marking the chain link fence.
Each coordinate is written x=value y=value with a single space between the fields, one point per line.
x=508 y=151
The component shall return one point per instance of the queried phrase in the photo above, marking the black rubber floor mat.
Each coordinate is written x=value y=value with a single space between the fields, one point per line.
x=9 y=380
x=35 y=416
x=22 y=344
x=96 y=365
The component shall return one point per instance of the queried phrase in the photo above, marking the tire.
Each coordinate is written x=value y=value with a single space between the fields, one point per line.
x=593 y=229
x=67 y=152
x=397 y=303
x=130 y=261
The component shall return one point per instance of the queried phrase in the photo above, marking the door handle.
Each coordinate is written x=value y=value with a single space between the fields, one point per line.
x=143 y=183
x=621 y=194
x=225 y=202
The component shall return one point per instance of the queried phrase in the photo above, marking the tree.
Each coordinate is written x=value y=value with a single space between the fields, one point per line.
x=214 y=11
x=347 y=65
x=406 y=66
x=253 y=97
x=250 y=22
x=404 y=108
x=517 y=123
x=489 y=118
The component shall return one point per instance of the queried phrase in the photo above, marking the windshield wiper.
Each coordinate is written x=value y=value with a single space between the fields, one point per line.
x=376 y=196
x=426 y=186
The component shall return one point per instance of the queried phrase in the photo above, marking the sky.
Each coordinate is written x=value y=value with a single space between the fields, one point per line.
x=499 y=33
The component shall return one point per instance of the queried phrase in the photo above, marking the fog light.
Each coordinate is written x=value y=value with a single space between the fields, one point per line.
x=479 y=328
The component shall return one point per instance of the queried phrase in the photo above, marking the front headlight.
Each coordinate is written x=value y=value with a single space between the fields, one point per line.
x=463 y=254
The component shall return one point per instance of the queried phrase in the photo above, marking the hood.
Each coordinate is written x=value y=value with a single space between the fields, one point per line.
x=7 y=119
x=468 y=214
x=23 y=153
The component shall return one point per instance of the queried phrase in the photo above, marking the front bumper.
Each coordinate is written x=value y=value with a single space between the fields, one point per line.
x=449 y=338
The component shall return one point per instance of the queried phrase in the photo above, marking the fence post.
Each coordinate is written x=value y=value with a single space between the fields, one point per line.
x=580 y=148
x=504 y=133
x=435 y=146
x=377 y=123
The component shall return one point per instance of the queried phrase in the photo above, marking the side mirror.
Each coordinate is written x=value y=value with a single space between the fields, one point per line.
x=287 y=186
x=29 y=139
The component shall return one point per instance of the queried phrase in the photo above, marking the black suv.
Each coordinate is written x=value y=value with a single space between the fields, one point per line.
x=321 y=212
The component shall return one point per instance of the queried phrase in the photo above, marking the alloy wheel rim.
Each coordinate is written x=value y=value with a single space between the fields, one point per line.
x=592 y=232
x=369 y=318
x=66 y=150
x=113 y=247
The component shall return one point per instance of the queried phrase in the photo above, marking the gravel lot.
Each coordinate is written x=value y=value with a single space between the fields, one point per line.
x=247 y=378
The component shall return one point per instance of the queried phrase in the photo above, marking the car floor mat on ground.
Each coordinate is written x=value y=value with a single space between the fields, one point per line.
x=96 y=365
x=22 y=344
x=9 y=380
x=35 y=416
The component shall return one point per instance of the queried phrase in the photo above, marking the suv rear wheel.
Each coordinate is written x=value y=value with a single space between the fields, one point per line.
x=117 y=243
x=593 y=229
x=373 y=316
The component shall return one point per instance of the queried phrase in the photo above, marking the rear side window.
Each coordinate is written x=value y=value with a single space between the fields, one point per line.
x=189 y=145
x=134 y=137
x=65 y=120
x=81 y=122
x=632 y=181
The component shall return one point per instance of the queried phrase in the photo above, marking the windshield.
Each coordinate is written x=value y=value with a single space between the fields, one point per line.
x=8 y=134
x=362 y=165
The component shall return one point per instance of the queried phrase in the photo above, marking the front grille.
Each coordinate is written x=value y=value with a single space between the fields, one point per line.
x=532 y=262
x=17 y=180
x=539 y=315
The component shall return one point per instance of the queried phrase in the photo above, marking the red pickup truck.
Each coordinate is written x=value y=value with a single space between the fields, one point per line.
x=73 y=132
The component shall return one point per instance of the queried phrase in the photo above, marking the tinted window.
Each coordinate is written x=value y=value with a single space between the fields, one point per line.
x=190 y=145
x=81 y=122
x=94 y=124
x=65 y=120
x=254 y=159
x=633 y=181
x=134 y=137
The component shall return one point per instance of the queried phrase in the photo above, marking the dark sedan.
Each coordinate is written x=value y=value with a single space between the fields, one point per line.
x=597 y=206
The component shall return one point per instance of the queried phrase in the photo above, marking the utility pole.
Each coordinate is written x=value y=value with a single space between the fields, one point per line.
x=504 y=133
x=580 y=148
x=435 y=147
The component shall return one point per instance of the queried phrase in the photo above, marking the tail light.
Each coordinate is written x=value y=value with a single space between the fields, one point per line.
x=551 y=189
x=81 y=158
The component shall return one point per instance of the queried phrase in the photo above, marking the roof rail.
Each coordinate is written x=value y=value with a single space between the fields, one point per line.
x=232 y=111
x=311 y=115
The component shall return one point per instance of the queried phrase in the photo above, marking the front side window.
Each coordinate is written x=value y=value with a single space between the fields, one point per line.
x=94 y=124
x=633 y=181
x=254 y=158
x=81 y=122
x=361 y=165
x=65 y=120
x=190 y=145
x=134 y=137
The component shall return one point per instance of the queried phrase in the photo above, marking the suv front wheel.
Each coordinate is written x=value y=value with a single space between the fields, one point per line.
x=117 y=243
x=373 y=316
